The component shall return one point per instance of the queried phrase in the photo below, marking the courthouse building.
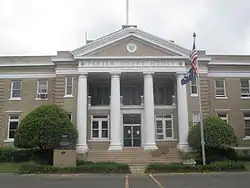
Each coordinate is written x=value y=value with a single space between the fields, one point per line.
x=124 y=90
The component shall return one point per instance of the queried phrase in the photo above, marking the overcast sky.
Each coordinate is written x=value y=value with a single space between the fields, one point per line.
x=31 y=27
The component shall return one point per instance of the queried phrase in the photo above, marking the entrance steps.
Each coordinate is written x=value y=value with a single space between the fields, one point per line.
x=137 y=168
x=134 y=156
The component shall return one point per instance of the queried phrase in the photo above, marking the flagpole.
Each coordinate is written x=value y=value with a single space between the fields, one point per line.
x=127 y=12
x=201 y=116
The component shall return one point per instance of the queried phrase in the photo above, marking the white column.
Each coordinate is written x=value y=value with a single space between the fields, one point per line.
x=115 y=112
x=149 y=113
x=182 y=114
x=82 y=117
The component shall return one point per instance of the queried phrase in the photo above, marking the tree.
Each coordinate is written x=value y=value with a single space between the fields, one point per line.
x=218 y=136
x=43 y=128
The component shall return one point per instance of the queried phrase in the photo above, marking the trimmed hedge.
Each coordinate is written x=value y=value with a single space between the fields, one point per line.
x=222 y=166
x=217 y=134
x=44 y=127
x=100 y=167
x=9 y=154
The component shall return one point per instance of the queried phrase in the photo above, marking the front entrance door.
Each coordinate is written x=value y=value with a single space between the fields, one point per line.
x=132 y=130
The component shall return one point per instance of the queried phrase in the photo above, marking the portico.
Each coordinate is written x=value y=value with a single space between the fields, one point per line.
x=134 y=96
x=140 y=107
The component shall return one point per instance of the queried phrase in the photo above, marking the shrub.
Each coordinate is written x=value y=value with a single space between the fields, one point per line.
x=180 y=168
x=9 y=154
x=86 y=168
x=217 y=134
x=43 y=128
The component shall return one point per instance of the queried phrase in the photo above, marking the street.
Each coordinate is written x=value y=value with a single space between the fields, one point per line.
x=216 y=180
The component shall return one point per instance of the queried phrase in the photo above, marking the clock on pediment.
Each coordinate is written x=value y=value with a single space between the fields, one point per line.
x=131 y=47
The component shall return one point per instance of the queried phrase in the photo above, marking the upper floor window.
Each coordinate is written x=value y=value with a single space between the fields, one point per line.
x=164 y=127
x=69 y=86
x=223 y=116
x=247 y=124
x=42 y=89
x=220 y=89
x=195 y=118
x=100 y=95
x=13 y=123
x=193 y=85
x=16 y=87
x=245 y=88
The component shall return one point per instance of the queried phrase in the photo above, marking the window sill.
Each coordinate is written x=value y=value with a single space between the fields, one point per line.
x=245 y=98
x=166 y=139
x=194 y=95
x=15 y=99
x=68 y=96
x=38 y=99
x=98 y=140
x=9 y=141
x=223 y=98
x=246 y=138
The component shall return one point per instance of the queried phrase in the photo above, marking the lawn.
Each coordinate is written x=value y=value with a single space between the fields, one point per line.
x=10 y=167
x=247 y=165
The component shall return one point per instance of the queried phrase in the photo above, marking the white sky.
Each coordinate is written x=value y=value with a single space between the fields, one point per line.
x=32 y=27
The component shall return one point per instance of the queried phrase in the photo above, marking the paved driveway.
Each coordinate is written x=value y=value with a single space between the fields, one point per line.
x=228 y=180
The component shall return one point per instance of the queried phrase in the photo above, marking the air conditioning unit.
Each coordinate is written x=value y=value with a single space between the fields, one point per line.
x=42 y=96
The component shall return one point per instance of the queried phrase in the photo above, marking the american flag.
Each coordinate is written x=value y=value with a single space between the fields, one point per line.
x=194 y=58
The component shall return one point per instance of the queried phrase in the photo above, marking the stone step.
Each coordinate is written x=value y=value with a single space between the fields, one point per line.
x=135 y=156
x=137 y=168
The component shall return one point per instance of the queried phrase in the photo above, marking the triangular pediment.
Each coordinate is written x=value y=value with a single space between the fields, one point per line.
x=130 y=42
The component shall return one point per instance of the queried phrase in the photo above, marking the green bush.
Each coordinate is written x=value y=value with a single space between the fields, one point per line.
x=43 y=128
x=242 y=158
x=9 y=154
x=86 y=168
x=180 y=168
x=217 y=134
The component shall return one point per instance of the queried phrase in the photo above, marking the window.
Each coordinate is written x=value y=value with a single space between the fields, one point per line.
x=196 y=118
x=13 y=123
x=164 y=127
x=16 y=87
x=193 y=85
x=69 y=86
x=42 y=89
x=100 y=95
x=70 y=116
x=100 y=127
x=220 y=89
x=244 y=88
x=247 y=124
x=223 y=116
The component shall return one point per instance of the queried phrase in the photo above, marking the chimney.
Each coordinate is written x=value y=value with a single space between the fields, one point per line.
x=171 y=41
x=89 y=41
x=126 y=26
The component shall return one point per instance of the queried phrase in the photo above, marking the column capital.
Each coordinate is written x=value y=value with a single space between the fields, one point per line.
x=115 y=73
x=148 y=73
x=180 y=74
x=83 y=74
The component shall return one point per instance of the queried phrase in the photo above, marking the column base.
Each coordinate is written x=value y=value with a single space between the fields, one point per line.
x=82 y=148
x=183 y=147
x=150 y=146
x=115 y=147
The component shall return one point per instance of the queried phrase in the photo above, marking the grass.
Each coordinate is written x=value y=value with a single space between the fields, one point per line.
x=11 y=167
x=247 y=165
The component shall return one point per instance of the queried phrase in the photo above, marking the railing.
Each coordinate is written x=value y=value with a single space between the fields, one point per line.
x=106 y=102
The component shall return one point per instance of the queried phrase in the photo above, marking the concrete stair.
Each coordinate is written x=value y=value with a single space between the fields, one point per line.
x=137 y=168
x=134 y=156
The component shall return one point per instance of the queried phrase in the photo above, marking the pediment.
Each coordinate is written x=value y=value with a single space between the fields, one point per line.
x=132 y=46
x=130 y=42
